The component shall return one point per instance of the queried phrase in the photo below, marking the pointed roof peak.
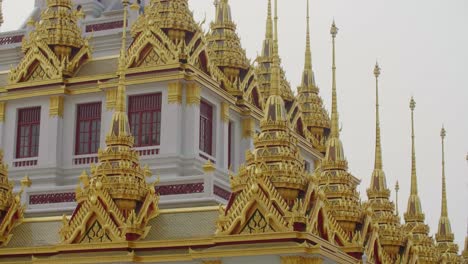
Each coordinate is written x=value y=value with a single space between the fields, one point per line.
x=334 y=115
x=308 y=78
x=269 y=23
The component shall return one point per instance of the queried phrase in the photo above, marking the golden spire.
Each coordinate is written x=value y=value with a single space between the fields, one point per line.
x=308 y=79
x=378 y=147
x=414 y=211
x=444 y=236
x=397 y=188
x=269 y=23
x=334 y=115
x=275 y=69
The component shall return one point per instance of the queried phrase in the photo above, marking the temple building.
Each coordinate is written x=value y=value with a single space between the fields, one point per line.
x=131 y=135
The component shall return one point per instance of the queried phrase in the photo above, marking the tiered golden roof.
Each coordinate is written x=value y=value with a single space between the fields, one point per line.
x=414 y=216
x=55 y=48
x=444 y=235
x=225 y=49
x=11 y=210
x=166 y=33
x=392 y=237
x=337 y=183
x=265 y=61
x=115 y=203
x=315 y=117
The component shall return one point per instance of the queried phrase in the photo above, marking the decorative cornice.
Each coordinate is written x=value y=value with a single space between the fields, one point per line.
x=174 y=93
x=225 y=108
x=2 y=111
x=193 y=93
x=56 y=106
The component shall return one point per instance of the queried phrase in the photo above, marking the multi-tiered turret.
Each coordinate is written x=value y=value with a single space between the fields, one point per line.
x=314 y=115
x=225 y=49
x=55 y=48
x=265 y=61
x=335 y=180
x=444 y=235
x=414 y=216
x=390 y=232
x=117 y=183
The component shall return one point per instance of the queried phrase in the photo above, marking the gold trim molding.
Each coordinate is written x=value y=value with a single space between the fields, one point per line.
x=225 y=112
x=193 y=93
x=2 y=111
x=174 y=93
x=212 y=262
x=56 y=106
x=248 y=126
x=111 y=95
x=300 y=260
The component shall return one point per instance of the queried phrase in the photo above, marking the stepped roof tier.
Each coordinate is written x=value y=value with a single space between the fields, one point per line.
x=315 y=117
x=337 y=183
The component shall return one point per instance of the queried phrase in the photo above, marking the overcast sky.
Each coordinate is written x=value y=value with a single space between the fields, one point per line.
x=422 y=48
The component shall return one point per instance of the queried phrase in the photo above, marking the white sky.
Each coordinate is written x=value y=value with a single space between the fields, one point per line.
x=421 y=46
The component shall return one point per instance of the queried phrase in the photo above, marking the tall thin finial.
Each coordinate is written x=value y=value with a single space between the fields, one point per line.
x=308 y=53
x=444 y=211
x=120 y=100
x=275 y=70
x=334 y=115
x=397 y=188
x=378 y=146
x=269 y=23
x=414 y=182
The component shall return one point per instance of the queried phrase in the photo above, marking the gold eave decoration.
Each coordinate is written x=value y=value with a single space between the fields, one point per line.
x=54 y=49
x=11 y=209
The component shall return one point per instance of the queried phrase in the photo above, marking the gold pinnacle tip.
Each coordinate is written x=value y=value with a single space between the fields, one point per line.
x=443 y=133
x=334 y=29
x=412 y=104
x=377 y=70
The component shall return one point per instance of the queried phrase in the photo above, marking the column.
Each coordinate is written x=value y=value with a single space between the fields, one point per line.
x=191 y=126
x=52 y=130
x=223 y=143
x=171 y=120
x=248 y=130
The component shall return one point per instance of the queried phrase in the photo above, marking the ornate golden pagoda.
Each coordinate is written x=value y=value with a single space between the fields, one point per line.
x=225 y=50
x=337 y=183
x=11 y=210
x=272 y=191
x=55 y=48
x=315 y=117
x=265 y=61
x=392 y=237
x=115 y=203
x=444 y=236
x=166 y=33
x=423 y=245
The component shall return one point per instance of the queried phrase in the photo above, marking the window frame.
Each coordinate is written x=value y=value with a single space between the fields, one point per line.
x=89 y=132
x=29 y=125
x=139 y=114
x=206 y=118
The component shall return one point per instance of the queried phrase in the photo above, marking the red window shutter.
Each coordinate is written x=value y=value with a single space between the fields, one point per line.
x=88 y=128
x=27 y=136
x=144 y=113
x=206 y=128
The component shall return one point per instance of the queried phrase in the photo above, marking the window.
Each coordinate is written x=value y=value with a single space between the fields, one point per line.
x=88 y=128
x=29 y=121
x=206 y=127
x=144 y=112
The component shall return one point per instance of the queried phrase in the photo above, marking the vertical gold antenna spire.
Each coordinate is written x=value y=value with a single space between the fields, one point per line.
x=334 y=115
x=120 y=100
x=444 y=211
x=269 y=23
x=414 y=180
x=275 y=69
x=308 y=53
x=378 y=146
